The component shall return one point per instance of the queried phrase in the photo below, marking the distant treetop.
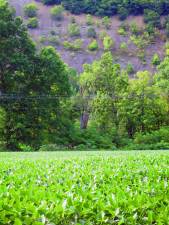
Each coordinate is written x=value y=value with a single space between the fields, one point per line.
x=110 y=7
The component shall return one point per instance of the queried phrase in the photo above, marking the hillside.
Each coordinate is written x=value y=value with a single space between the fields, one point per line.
x=129 y=48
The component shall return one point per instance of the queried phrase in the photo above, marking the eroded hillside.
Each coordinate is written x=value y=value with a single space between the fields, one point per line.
x=128 y=48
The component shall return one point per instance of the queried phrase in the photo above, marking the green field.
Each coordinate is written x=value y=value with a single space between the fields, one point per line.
x=84 y=188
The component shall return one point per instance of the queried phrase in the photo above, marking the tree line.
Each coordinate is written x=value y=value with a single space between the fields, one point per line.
x=151 y=10
x=112 y=7
x=44 y=102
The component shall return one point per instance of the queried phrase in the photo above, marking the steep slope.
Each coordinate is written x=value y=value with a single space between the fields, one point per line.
x=49 y=30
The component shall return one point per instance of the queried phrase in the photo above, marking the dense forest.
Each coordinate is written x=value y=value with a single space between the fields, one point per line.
x=112 y=7
x=45 y=104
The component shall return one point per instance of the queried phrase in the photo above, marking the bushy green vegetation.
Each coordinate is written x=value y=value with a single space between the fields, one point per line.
x=108 y=43
x=32 y=23
x=26 y=74
x=156 y=59
x=55 y=40
x=123 y=46
x=91 y=33
x=93 y=46
x=130 y=68
x=49 y=2
x=152 y=17
x=74 y=46
x=73 y=30
x=57 y=12
x=111 y=7
x=106 y=22
x=30 y=10
x=151 y=141
x=84 y=188
x=134 y=28
x=151 y=11
x=122 y=31
x=89 y=20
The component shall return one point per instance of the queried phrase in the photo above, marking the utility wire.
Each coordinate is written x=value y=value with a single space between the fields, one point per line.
x=24 y=97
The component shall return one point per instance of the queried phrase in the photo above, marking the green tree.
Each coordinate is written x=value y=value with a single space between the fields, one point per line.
x=89 y=20
x=91 y=33
x=162 y=78
x=32 y=23
x=93 y=46
x=105 y=83
x=106 y=22
x=167 y=29
x=108 y=43
x=123 y=13
x=155 y=59
x=73 y=30
x=57 y=12
x=145 y=109
x=49 y=2
x=24 y=76
x=30 y=10
x=152 y=17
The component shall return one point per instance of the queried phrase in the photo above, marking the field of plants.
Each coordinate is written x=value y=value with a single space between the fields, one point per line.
x=84 y=188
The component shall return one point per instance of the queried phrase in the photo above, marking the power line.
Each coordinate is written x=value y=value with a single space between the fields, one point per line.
x=37 y=97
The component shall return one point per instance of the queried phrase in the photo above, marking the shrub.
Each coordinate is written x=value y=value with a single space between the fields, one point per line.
x=25 y=148
x=154 y=137
x=106 y=22
x=141 y=56
x=91 y=139
x=32 y=23
x=158 y=139
x=51 y=148
x=93 y=46
x=138 y=41
x=73 y=20
x=89 y=20
x=67 y=45
x=54 y=40
x=134 y=28
x=125 y=26
x=73 y=30
x=167 y=52
x=108 y=43
x=167 y=29
x=123 y=13
x=167 y=45
x=122 y=31
x=74 y=46
x=130 y=68
x=50 y=2
x=102 y=35
x=91 y=33
x=57 y=12
x=165 y=21
x=123 y=46
x=152 y=17
x=155 y=59
x=30 y=10
x=97 y=23
x=150 y=29
x=42 y=39
x=52 y=32
x=77 y=44
x=158 y=146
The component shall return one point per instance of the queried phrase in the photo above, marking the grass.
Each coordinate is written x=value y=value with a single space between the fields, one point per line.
x=84 y=188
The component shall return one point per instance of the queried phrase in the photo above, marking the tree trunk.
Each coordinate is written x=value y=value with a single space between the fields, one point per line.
x=84 y=120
